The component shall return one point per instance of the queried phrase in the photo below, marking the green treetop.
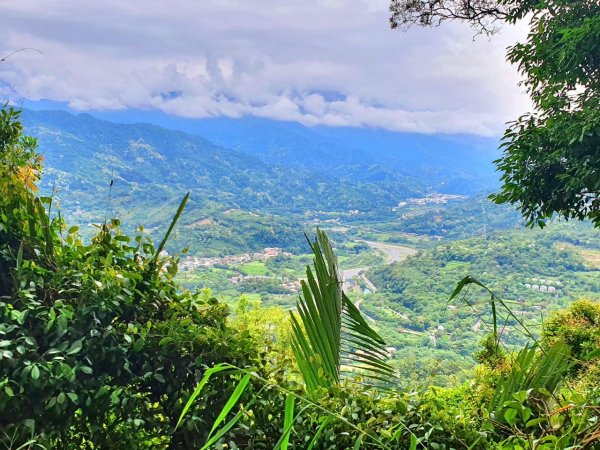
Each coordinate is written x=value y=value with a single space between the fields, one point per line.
x=551 y=158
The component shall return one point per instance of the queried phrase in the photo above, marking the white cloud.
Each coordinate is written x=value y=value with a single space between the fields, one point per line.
x=332 y=62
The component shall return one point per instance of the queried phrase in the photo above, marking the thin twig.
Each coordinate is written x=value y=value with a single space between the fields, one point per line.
x=20 y=50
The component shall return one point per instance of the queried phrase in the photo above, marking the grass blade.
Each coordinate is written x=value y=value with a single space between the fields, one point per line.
x=288 y=422
x=207 y=374
x=227 y=426
x=161 y=247
x=315 y=438
x=235 y=396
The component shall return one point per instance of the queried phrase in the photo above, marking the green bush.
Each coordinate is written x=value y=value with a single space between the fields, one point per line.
x=98 y=346
x=578 y=326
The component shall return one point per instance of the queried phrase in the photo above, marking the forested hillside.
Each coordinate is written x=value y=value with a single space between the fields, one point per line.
x=101 y=348
x=535 y=272
x=152 y=164
x=455 y=164
x=98 y=168
x=445 y=163
x=244 y=282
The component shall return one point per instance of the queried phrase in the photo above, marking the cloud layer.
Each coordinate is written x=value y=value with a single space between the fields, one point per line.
x=332 y=62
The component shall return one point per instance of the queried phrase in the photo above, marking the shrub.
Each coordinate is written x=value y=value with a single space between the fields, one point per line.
x=98 y=346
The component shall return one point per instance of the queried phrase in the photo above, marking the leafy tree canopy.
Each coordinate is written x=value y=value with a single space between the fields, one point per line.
x=551 y=155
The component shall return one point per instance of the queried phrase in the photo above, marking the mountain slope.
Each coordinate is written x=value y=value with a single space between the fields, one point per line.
x=282 y=171
x=457 y=164
x=84 y=154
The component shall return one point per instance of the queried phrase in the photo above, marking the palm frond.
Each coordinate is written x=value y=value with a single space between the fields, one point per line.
x=328 y=328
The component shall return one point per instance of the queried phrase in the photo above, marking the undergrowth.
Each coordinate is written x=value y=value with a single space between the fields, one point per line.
x=100 y=348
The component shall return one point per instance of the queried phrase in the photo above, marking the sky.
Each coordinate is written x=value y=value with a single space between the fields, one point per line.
x=317 y=62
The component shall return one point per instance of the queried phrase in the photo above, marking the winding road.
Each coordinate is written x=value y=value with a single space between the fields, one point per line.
x=393 y=253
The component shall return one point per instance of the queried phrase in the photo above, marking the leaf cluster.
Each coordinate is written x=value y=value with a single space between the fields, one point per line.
x=551 y=155
x=98 y=345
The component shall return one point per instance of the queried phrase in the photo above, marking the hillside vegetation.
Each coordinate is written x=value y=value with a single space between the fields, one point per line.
x=136 y=171
x=100 y=348
x=456 y=235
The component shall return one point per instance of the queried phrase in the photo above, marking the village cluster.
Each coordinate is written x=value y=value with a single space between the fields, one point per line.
x=193 y=262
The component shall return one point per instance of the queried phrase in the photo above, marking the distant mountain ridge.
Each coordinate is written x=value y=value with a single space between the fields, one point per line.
x=99 y=169
x=443 y=163
x=86 y=151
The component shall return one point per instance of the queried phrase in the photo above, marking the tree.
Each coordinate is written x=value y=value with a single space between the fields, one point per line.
x=483 y=14
x=98 y=344
x=551 y=159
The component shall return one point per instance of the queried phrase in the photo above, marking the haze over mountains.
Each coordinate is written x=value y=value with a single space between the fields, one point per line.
x=416 y=163
x=435 y=159
x=279 y=170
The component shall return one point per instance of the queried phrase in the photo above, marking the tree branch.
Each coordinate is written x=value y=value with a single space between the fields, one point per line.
x=20 y=50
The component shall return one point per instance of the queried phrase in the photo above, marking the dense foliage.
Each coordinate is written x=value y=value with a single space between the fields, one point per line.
x=99 y=348
x=551 y=155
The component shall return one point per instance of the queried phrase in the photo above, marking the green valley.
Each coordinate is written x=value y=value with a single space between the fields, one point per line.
x=271 y=225
x=401 y=253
